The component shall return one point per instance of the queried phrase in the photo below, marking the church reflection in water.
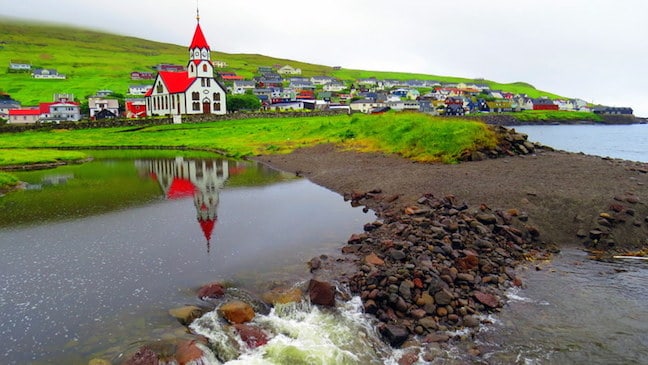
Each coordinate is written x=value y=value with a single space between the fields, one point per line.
x=201 y=179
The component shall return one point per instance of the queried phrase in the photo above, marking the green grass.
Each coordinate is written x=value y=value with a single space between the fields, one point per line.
x=31 y=156
x=93 y=60
x=555 y=115
x=413 y=135
x=7 y=180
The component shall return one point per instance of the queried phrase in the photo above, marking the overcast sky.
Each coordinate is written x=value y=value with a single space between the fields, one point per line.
x=595 y=50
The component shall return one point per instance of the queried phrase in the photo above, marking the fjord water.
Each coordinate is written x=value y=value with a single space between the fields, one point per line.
x=627 y=142
x=94 y=255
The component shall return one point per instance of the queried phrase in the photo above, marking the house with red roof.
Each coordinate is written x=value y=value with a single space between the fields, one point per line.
x=24 y=116
x=193 y=91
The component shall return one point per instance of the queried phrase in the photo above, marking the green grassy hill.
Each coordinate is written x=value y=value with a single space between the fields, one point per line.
x=94 y=61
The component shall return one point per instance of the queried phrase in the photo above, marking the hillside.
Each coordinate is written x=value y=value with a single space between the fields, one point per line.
x=94 y=60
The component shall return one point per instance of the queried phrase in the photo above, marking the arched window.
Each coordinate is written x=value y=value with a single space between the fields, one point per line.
x=216 y=96
x=217 y=107
x=192 y=68
x=202 y=82
x=195 y=95
x=204 y=67
x=196 y=106
x=160 y=89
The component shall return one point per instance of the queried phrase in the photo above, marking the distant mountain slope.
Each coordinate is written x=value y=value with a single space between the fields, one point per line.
x=94 y=60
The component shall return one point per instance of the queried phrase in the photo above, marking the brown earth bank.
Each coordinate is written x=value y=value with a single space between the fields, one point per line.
x=448 y=237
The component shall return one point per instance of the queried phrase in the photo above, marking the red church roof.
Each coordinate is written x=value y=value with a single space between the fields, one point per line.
x=180 y=188
x=176 y=82
x=198 y=40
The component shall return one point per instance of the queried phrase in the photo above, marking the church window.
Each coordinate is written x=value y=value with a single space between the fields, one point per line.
x=160 y=89
x=196 y=106
x=204 y=67
x=202 y=82
x=208 y=82
x=195 y=95
x=217 y=107
x=217 y=96
x=192 y=68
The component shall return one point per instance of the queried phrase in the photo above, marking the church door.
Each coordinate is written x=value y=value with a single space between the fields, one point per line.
x=206 y=107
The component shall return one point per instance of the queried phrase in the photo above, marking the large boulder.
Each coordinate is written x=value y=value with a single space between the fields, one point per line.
x=321 y=293
x=236 y=311
x=394 y=334
x=251 y=335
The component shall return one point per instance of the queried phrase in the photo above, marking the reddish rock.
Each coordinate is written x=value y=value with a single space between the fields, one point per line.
x=211 y=290
x=408 y=358
x=251 y=335
x=418 y=283
x=357 y=238
x=236 y=311
x=143 y=356
x=321 y=293
x=487 y=299
x=187 y=353
x=373 y=259
x=467 y=263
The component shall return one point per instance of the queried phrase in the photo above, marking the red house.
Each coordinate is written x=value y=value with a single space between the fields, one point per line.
x=544 y=104
x=135 y=108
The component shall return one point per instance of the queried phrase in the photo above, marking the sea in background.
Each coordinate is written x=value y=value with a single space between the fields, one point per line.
x=628 y=142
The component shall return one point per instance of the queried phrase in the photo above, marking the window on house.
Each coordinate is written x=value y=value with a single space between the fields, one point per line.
x=204 y=67
x=208 y=83
x=217 y=107
x=202 y=82
x=195 y=95
x=216 y=96
x=196 y=106
x=192 y=68
x=159 y=88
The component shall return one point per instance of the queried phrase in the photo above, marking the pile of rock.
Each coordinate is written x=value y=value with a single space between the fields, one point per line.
x=437 y=265
x=511 y=143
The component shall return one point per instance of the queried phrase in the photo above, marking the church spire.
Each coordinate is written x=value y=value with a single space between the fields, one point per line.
x=197 y=12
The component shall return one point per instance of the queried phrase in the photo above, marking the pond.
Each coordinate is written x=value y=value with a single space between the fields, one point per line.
x=94 y=255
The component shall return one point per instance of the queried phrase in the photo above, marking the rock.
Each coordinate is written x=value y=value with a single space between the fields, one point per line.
x=143 y=356
x=188 y=353
x=251 y=335
x=321 y=293
x=486 y=218
x=282 y=296
x=185 y=315
x=408 y=358
x=370 y=306
x=405 y=289
x=314 y=263
x=632 y=199
x=443 y=297
x=467 y=263
x=211 y=290
x=418 y=313
x=465 y=277
x=357 y=238
x=236 y=312
x=428 y=322
x=442 y=311
x=436 y=337
x=394 y=334
x=397 y=255
x=373 y=259
x=595 y=234
x=487 y=299
x=581 y=233
x=470 y=321
x=99 y=362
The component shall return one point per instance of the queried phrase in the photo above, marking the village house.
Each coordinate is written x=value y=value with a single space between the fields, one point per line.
x=229 y=76
x=7 y=104
x=302 y=85
x=103 y=93
x=365 y=105
x=139 y=89
x=220 y=64
x=609 y=110
x=101 y=108
x=294 y=105
x=19 y=66
x=138 y=75
x=41 y=73
x=62 y=109
x=24 y=116
x=194 y=91
x=289 y=70
x=321 y=80
x=335 y=86
x=241 y=86
x=135 y=108
x=544 y=104
x=167 y=67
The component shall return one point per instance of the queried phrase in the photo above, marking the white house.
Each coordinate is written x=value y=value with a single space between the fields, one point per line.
x=220 y=64
x=139 y=89
x=41 y=73
x=96 y=105
x=293 y=105
x=321 y=80
x=194 y=91
x=241 y=86
x=335 y=86
x=289 y=70
x=19 y=66
x=365 y=105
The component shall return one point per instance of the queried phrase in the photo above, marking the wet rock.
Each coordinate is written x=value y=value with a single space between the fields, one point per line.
x=487 y=299
x=253 y=336
x=357 y=238
x=144 y=356
x=405 y=289
x=236 y=312
x=321 y=293
x=486 y=218
x=394 y=334
x=282 y=296
x=314 y=263
x=185 y=315
x=211 y=290
x=188 y=352
x=467 y=263
x=436 y=337
x=632 y=199
x=410 y=357
x=470 y=321
x=370 y=306
x=397 y=255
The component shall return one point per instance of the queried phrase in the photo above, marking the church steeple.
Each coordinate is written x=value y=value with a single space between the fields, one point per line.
x=200 y=64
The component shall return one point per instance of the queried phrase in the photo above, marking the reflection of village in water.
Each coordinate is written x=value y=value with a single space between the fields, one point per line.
x=200 y=179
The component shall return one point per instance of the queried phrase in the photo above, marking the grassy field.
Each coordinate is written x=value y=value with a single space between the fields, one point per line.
x=94 y=61
x=555 y=115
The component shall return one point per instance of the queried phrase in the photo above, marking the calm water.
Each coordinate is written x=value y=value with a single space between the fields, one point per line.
x=135 y=238
x=94 y=255
x=628 y=142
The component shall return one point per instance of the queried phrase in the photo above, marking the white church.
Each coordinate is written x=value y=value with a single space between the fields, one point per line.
x=194 y=91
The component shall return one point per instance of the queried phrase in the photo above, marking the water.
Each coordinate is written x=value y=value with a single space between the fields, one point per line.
x=83 y=272
x=628 y=142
